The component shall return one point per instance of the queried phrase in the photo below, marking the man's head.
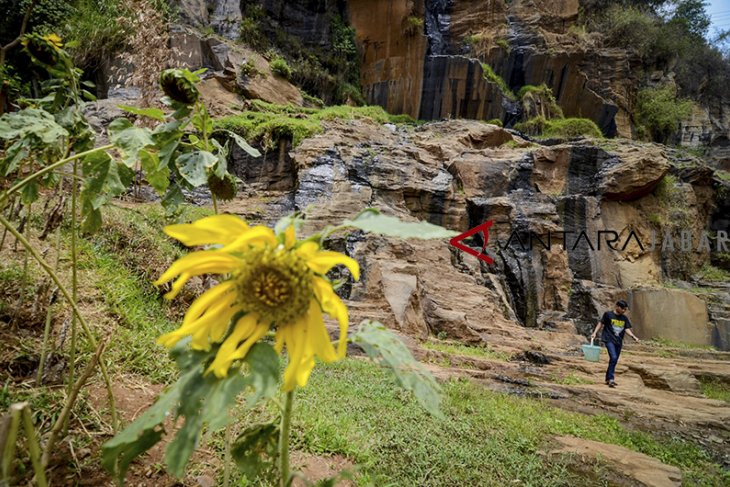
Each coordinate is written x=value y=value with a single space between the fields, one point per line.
x=621 y=307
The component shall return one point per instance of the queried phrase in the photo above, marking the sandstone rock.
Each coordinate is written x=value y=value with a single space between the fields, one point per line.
x=673 y=378
x=673 y=314
x=632 y=467
x=633 y=172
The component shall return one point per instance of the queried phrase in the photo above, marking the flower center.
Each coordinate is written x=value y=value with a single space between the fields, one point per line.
x=275 y=284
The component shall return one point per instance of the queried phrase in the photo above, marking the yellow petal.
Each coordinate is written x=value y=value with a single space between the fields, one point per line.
x=290 y=237
x=208 y=298
x=202 y=262
x=317 y=337
x=295 y=348
x=178 y=285
x=324 y=260
x=243 y=330
x=217 y=229
x=333 y=306
x=257 y=234
x=307 y=249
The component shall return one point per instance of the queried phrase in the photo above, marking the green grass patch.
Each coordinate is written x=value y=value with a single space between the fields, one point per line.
x=711 y=273
x=280 y=67
x=353 y=408
x=714 y=389
x=267 y=123
x=666 y=343
x=460 y=349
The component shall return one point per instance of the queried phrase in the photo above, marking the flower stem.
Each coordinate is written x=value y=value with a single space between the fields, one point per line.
x=6 y=194
x=74 y=284
x=284 y=439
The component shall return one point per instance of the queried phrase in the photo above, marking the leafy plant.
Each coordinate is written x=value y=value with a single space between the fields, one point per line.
x=659 y=111
x=493 y=77
x=279 y=66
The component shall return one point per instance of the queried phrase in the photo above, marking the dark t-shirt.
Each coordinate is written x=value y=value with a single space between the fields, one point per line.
x=614 y=327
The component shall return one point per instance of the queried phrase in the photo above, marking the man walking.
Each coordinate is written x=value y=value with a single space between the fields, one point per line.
x=615 y=325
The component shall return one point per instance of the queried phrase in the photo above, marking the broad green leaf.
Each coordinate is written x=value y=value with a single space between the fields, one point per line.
x=153 y=113
x=158 y=176
x=173 y=199
x=193 y=166
x=382 y=345
x=33 y=122
x=262 y=376
x=255 y=450
x=13 y=156
x=182 y=446
x=375 y=222
x=102 y=183
x=129 y=139
x=29 y=193
x=141 y=435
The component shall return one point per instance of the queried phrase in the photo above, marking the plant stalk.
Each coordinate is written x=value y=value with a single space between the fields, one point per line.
x=34 y=448
x=85 y=326
x=74 y=281
x=6 y=194
x=284 y=439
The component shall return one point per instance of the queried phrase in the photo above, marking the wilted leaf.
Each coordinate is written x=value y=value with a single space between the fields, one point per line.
x=382 y=345
x=129 y=139
x=241 y=142
x=374 y=222
x=193 y=166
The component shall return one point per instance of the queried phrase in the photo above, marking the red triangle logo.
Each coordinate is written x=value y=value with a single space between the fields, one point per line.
x=484 y=228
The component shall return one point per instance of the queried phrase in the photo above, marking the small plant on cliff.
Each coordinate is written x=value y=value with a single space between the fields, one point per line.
x=539 y=101
x=413 y=25
x=659 y=112
x=493 y=77
x=279 y=66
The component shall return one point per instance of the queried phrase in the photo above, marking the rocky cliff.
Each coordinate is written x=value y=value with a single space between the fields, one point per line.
x=577 y=224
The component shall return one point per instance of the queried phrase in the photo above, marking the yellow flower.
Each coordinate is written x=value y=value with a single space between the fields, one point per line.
x=55 y=40
x=270 y=282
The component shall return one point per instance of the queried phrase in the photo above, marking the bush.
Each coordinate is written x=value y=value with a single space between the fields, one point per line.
x=539 y=101
x=349 y=92
x=97 y=28
x=659 y=111
x=495 y=121
x=279 y=66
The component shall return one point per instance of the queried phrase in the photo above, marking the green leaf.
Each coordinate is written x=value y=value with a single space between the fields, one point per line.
x=374 y=222
x=102 y=183
x=129 y=139
x=255 y=450
x=158 y=176
x=383 y=346
x=241 y=142
x=173 y=199
x=193 y=166
x=263 y=373
x=15 y=153
x=29 y=193
x=140 y=436
x=153 y=113
x=33 y=122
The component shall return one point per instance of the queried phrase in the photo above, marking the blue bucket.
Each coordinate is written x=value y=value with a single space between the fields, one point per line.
x=591 y=352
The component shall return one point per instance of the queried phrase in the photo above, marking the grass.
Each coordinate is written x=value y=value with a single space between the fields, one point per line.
x=267 y=123
x=460 y=349
x=493 y=77
x=280 y=67
x=666 y=343
x=711 y=273
x=714 y=389
x=353 y=408
x=560 y=127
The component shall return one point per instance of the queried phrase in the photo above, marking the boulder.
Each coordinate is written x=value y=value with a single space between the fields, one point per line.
x=632 y=172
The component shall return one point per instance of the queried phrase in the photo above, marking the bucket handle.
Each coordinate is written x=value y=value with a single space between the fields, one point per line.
x=591 y=342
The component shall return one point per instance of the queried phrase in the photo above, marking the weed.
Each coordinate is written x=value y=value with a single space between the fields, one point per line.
x=280 y=67
x=493 y=77
x=714 y=389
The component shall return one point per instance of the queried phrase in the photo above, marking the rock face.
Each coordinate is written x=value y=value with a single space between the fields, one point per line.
x=671 y=313
x=570 y=229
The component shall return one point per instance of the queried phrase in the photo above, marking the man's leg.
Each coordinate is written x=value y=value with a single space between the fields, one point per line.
x=612 y=359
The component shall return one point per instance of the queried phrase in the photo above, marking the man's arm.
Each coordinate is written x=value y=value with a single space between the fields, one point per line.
x=595 y=330
x=628 y=331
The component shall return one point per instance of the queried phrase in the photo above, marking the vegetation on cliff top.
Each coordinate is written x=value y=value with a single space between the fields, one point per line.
x=267 y=123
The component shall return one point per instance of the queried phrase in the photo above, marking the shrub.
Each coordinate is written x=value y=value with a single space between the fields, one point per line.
x=248 y=69
x=659 y=111
x=349 y=92
x=279 y=66
x=539 y=101
x=97 y=28
x=413 y=25
x=495 y=121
